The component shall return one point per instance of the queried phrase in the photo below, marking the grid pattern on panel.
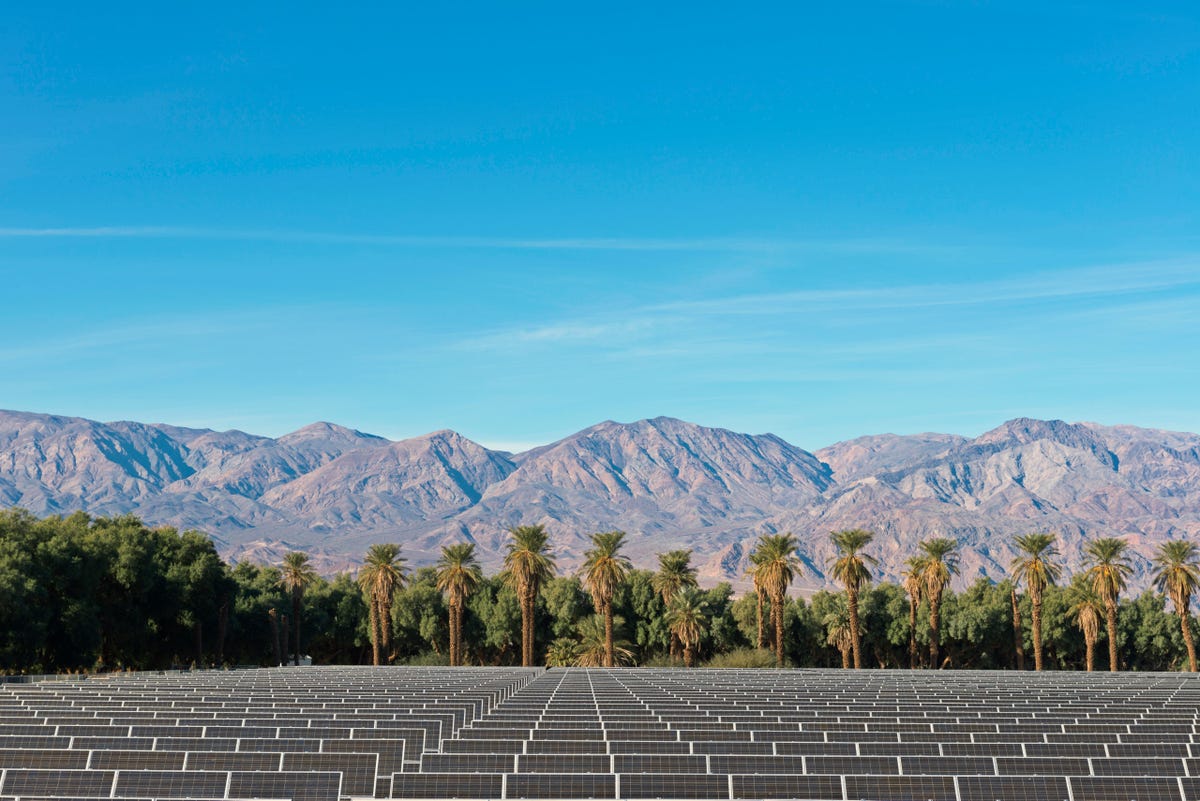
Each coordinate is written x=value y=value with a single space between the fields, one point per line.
x=674 y=785
x=429 y=785
x=810 y=788
x=564 y=785
x=170 y=784
x=902 y=788
x=92 y=783
x=358 y=771
x=474 y=733
x=307 y=786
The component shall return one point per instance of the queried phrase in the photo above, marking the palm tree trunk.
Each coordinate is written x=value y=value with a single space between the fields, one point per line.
x=608 y=634
x=1036 y=597
x=384 y=614
x=1185 y=624
x=284 y=630
x=687 y=655
x=527 y=629
x=1089 y=642
x=222 y=630
x=935 y=622
x=777 y=615
x=912 y=633
x=373 y=621
x=855 y=634
x=1018 y=634
x=845 y=652
x=273 y=616
x=762 y=633
x=673 y=648
x=296 y=626
x=1111 y=607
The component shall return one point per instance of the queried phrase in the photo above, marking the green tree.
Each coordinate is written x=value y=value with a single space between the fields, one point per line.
x=604 y=570
x=675 y=573
x=528 y=563
x=382 y=574
x=596 y=649
x=296 y=574
x=687 y=619
x=776 y=568
x=940 y=560
x=458 y=576
x=1109 y=568
x=1036 y=566
x=1177 y=573
x=851 y=568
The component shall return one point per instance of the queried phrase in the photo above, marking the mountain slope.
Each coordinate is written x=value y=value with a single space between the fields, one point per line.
x=669 y=483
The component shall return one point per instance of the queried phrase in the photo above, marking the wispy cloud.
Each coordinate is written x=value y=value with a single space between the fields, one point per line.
x=739 y=324
x=703 y=244
x=1120 y=279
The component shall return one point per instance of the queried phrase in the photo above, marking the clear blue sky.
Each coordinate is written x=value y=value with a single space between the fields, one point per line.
x=519 y=220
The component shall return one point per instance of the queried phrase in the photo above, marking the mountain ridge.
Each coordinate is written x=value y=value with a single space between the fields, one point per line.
x=667 y=482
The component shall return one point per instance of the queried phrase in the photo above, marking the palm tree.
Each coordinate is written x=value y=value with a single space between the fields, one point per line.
x=1018 y=631
x=1036 y=567
x=914 y=585
x=381 y=575
x=686 y=618
x=595 y=649
x=1177 y=573
x=675 y=573
x=941 y=562
x=851 y=569
x=777 y=567
x=1086 y=607
x=527 y=563
x=297 y=573
x=458 y=576
x=1109 y=567
x=604 y=569
x=760 y=593
x=837 y=628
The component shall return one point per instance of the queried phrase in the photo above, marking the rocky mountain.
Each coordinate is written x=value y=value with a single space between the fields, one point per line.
x=333 y=491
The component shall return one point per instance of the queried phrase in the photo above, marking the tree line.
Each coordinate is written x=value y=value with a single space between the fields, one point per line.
x=93 y=593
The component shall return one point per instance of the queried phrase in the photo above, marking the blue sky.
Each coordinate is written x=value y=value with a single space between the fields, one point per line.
x=519 y=221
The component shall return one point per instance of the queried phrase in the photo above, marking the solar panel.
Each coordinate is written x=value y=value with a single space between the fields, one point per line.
x=233 y=760
x=307 y=786
x=565 y=785
x=947 y=766
x=673 y=786
x=564 y=763
x=467 y=763
x=1011 y=788
x=170 y=784
x=358 y=770
x=22 y=782
x=136 y=760
x=902 y=788
x=42 y=758
x=808 y=788
x=427 y=785
x=659 y=763
x=1124 y=788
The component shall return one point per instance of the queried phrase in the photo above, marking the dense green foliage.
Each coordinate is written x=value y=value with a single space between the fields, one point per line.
x=82 y=593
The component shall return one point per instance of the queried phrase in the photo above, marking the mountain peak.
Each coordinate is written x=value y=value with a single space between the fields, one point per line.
x=325 y=431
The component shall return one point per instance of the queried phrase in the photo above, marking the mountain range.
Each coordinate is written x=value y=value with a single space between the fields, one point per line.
x=332 y=491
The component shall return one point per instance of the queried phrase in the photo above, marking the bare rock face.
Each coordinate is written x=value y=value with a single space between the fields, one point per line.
x=670 y=484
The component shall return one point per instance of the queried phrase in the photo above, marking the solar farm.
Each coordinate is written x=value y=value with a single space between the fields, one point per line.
x=324 y=734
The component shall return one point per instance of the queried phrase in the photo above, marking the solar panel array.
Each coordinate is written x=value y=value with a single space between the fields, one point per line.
x=323 y=734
